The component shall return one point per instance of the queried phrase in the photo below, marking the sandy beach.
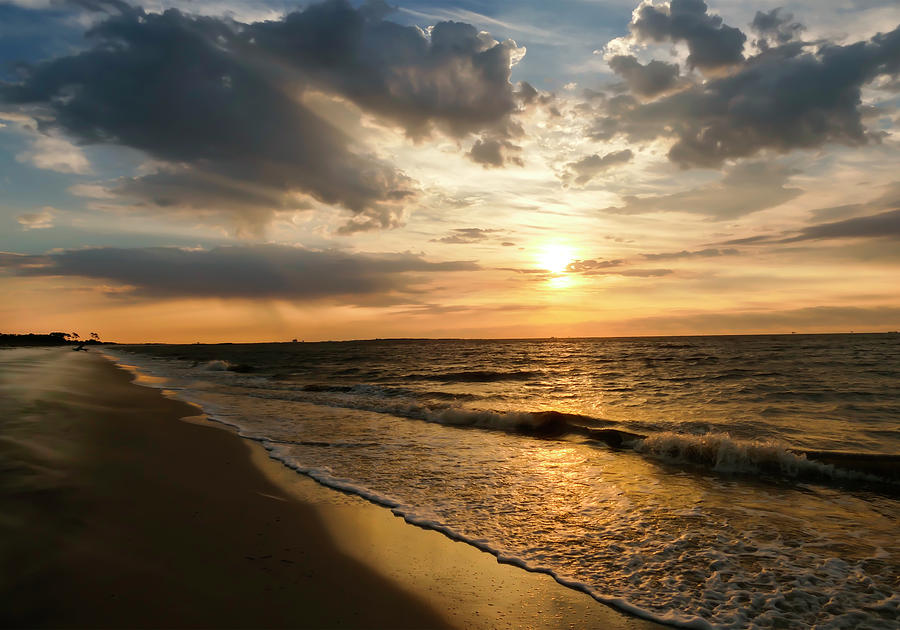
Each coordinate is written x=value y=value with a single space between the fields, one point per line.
x=116 y=513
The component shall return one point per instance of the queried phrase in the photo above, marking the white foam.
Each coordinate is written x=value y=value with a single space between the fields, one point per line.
x=722 y=453
x=410 y=515
x=216 y=365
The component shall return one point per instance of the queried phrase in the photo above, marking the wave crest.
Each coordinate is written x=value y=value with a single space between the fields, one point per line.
x=480 y=376
x=722 y=453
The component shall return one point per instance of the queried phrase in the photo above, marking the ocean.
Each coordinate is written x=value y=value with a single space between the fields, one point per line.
x=703 y=482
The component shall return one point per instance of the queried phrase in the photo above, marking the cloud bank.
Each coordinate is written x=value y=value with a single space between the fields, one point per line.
x=217 y=104
x=261 y=271
x=790 y=95
x=711 y=43
x=743 y=189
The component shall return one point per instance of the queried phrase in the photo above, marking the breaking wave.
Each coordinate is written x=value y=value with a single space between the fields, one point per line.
x=720 y=452
x=717 y=452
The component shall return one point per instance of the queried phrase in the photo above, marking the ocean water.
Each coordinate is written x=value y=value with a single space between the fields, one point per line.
x=704 y=482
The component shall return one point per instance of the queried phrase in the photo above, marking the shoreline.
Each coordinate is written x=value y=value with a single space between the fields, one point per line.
x=152 y=521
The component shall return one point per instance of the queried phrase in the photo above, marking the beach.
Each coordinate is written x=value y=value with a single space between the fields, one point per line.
x=118 y=513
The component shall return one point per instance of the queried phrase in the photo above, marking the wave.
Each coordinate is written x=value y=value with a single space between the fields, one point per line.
x=479 y=376
x=323 y=387
x=220 y=365
x=216 y=365
x=720 y=452
x=716 y=452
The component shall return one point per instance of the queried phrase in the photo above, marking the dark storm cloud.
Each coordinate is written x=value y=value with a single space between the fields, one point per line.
x=584 y=170
x=645 y=80
x=711 y=43
x=793 y=96
x=263 y=271
x=701 y=253
x=218 y=101
x=457 y=79
x=775 y=25
x=745 y=188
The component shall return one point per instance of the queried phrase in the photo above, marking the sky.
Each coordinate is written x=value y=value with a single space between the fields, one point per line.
x=216 y=170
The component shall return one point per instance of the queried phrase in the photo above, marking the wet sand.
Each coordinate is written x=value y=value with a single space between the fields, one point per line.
x=116 y=513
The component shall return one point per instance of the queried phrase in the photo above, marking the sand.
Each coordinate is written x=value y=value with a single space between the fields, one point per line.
x=115 y=512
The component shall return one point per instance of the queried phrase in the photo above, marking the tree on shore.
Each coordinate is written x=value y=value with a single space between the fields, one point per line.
x=48 y=339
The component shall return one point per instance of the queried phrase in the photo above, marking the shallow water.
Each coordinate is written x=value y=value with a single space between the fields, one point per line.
x=708 y=513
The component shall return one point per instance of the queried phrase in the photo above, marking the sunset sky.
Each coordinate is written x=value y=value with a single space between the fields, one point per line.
x=259 y=170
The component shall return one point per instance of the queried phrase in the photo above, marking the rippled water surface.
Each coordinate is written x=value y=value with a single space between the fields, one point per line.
x=704 y=481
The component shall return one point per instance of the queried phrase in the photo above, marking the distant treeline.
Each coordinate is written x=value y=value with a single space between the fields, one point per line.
x=50 y=339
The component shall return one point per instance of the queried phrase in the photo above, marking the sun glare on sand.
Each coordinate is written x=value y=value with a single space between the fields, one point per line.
x=555 y=258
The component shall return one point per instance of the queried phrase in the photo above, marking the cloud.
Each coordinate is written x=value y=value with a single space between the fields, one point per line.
x=494 y=153
x=464 y=236
x=888 y=200
x=702 y=253
x=217 y=103
x=711 y=43
x=584 y=170
x=883 y=225
x=796 y=95
x=594 y=267
x=262 y=271
x=52 y=153
x=589 y=266
x=36 y=220
x=745 y=188
x=601 y=267
x=824 y=318
x=644 y=273
x=776 y=26
x=456 y=79
x=91 y=191
x=645 y=80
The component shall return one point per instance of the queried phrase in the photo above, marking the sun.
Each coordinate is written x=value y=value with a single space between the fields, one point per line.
x=555 y=258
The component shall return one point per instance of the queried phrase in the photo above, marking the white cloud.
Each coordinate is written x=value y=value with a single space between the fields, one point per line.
x=23 y=120
x=53 y=153
x=37 y=220
x=91 y=191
